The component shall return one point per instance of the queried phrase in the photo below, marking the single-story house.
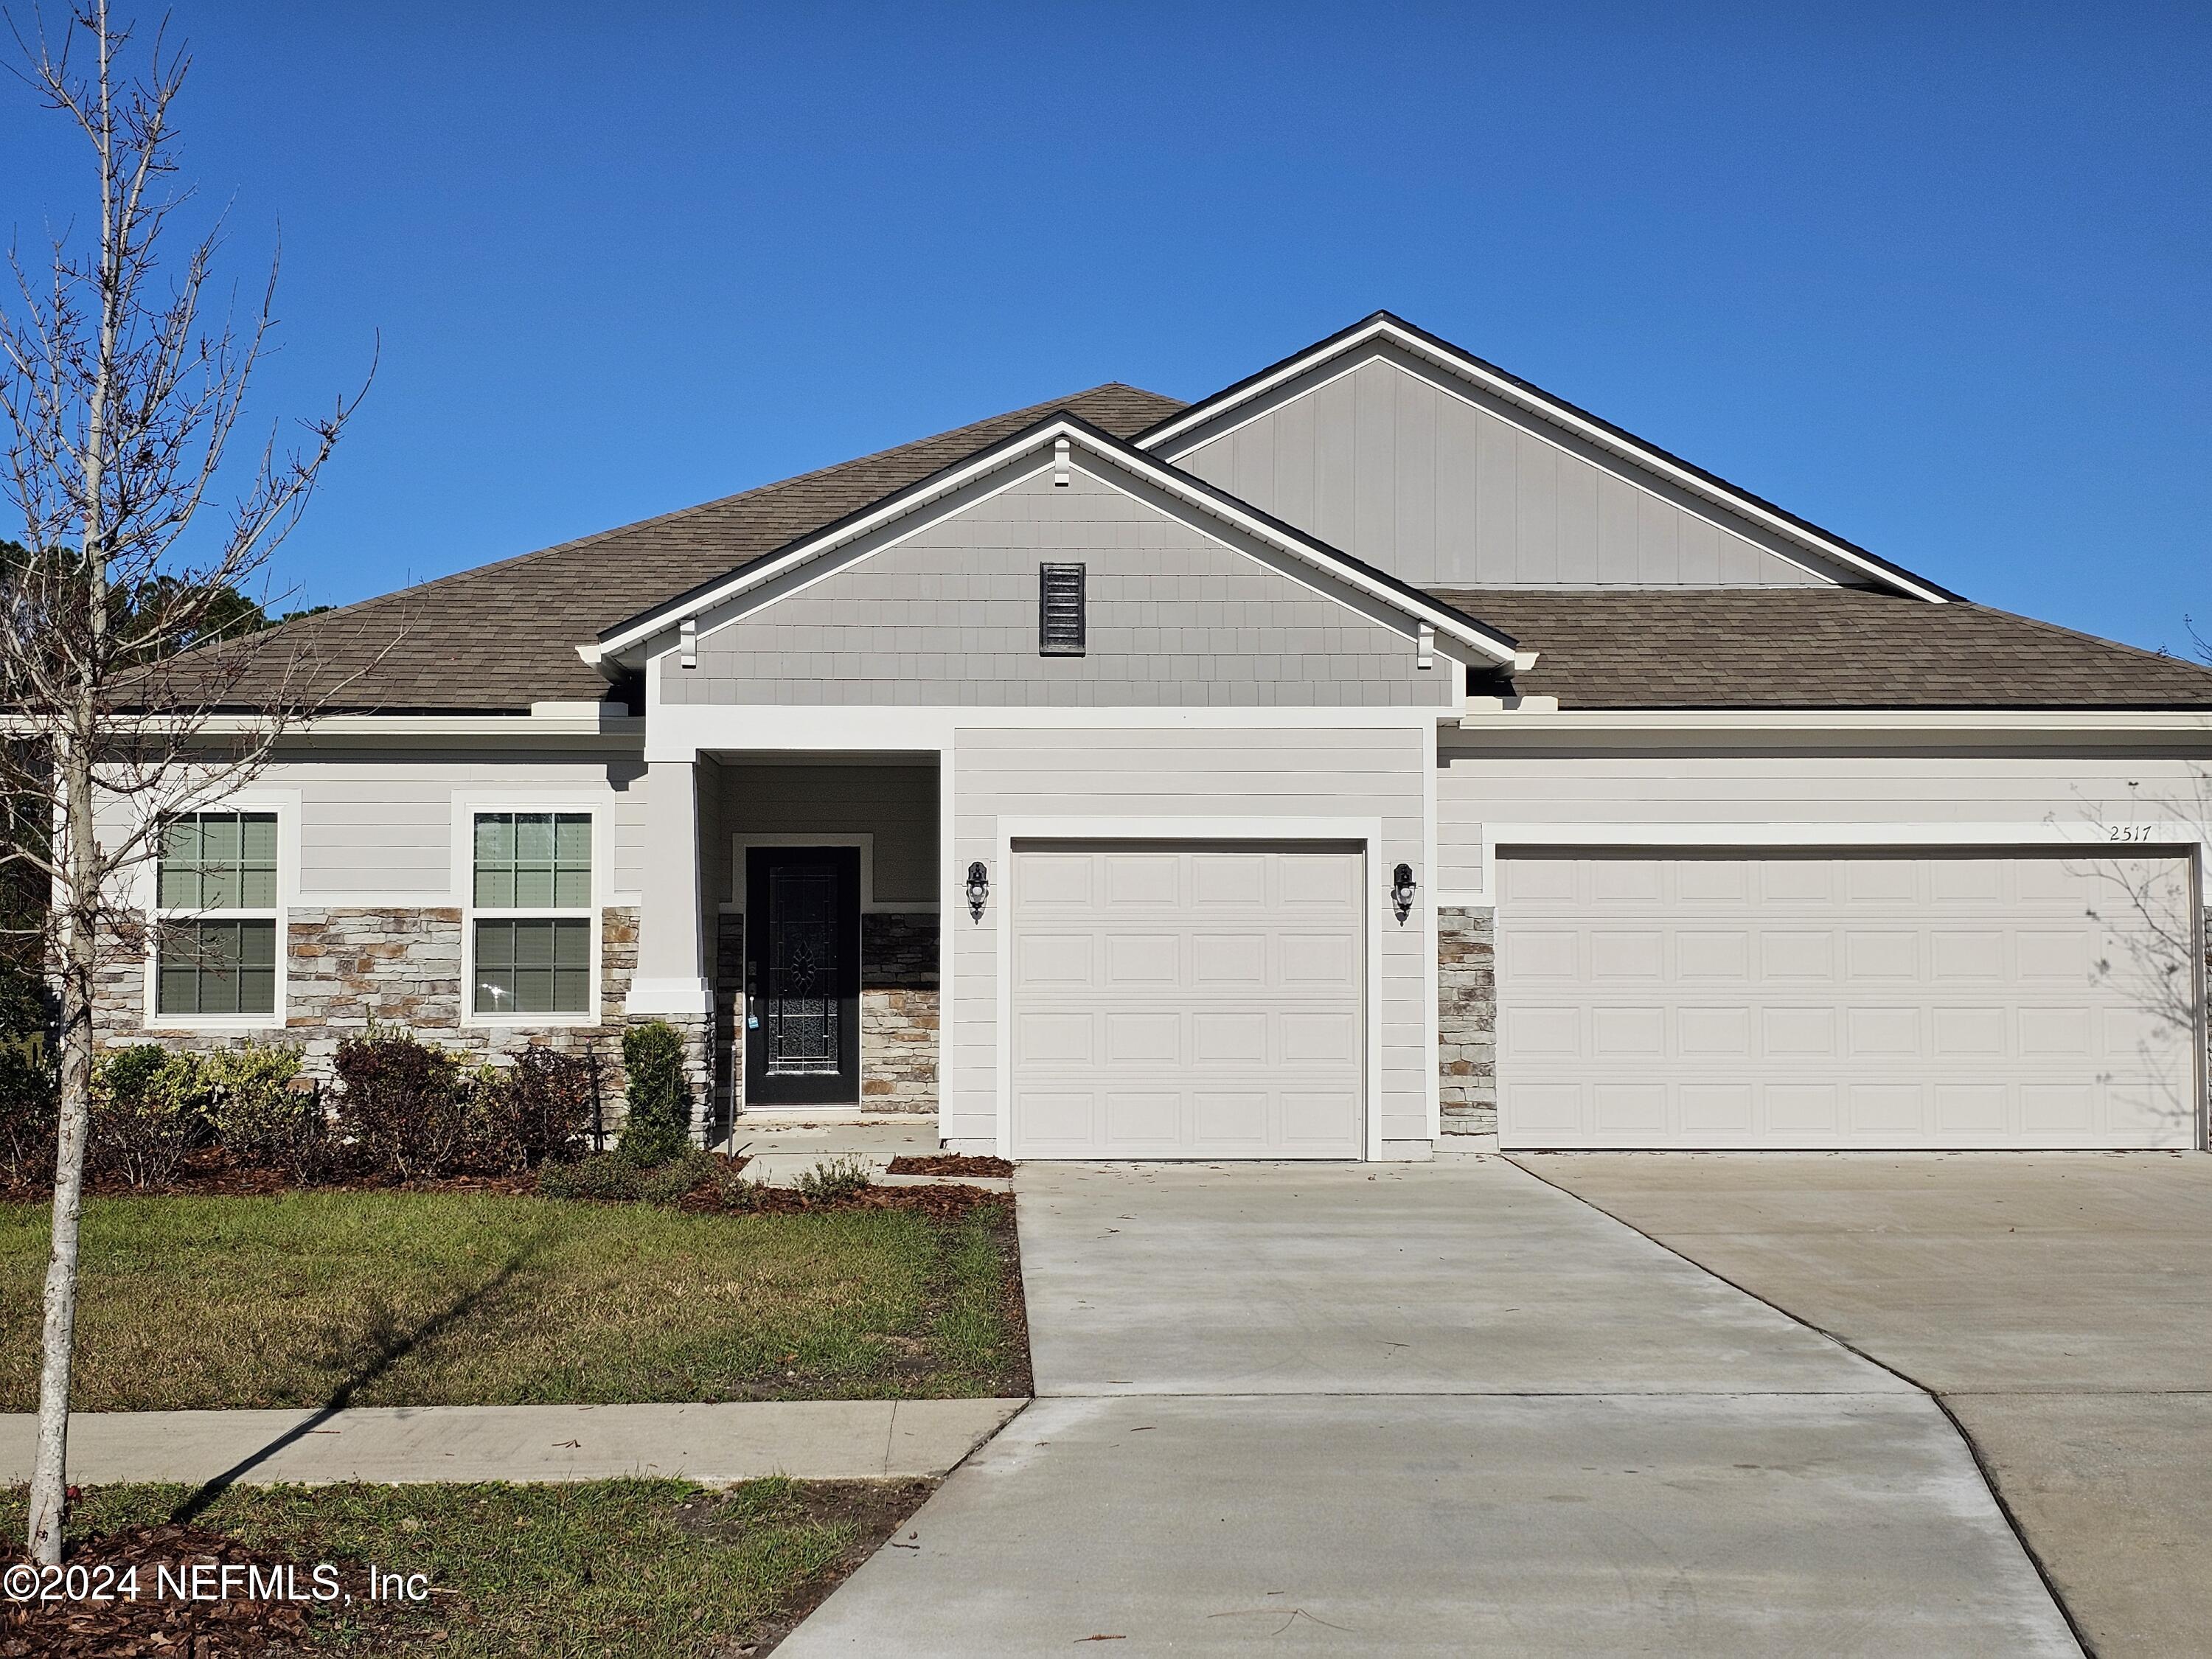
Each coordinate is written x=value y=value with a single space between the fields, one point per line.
x=1377 y=752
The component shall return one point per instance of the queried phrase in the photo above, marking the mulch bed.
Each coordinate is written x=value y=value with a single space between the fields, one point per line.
x=172 y=1628
x=946 y=1202
x=952 y=1164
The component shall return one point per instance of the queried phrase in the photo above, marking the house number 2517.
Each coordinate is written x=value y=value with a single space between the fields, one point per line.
x=2127 y=831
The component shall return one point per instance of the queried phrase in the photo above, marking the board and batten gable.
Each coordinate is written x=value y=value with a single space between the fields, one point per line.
x=1102 y=775
x=1443 y=484
x=1182 y=612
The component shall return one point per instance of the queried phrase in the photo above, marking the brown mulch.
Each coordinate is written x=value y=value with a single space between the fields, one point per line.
x=152 y=1624
x=876 y=1510
x=945 y=1202
x=952 y=1164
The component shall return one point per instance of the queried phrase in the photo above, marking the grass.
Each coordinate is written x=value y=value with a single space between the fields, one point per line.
x=648 y=1568
x=384 y=1298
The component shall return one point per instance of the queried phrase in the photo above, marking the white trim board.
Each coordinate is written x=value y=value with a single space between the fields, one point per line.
x=1384 y=328
x=2055 y=835
x=144 y=886
x=1088 y=451
x=865 y=840
x=1367 y=832
x=465 y=806
x=684 y=731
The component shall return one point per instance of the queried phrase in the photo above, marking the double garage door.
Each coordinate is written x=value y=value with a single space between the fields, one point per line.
x=1178 y=1001
x=1974 y=1000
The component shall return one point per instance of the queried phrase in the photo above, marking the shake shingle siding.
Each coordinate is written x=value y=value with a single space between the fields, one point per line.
x=503 y=636
x=948 y=617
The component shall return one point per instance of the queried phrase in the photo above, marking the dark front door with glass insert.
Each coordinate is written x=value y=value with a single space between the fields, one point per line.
x=802 y=1036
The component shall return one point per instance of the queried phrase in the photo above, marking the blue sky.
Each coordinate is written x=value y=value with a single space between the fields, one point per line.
x=1933 y=277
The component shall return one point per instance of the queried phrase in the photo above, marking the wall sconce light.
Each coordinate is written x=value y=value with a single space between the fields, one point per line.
x=978 y=890
x=1401 y=890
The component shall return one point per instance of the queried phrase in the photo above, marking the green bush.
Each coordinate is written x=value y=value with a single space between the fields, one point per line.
x=401 y=1105
x=148 y=1110
x=659 y=1124
x=835 y=1177
x=549 y=1099
x=260 y=1115
x=609 y=1177
x=27 y=1082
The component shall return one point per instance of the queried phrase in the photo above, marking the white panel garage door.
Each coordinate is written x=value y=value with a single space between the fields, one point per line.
x=1172 y=1000
x=1845 y=1001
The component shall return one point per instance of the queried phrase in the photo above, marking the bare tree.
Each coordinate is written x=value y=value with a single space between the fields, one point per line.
x=123 y=382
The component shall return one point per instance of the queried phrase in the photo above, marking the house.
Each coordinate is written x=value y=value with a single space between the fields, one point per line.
x=1378 y=752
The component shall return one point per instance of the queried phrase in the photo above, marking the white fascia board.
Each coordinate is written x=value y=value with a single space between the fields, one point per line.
x=1203 y=412
x=1870 y=722
x=505 y=727
x=1041 y=446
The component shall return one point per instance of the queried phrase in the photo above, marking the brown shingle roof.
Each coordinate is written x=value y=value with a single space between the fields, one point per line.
x=1812 y=647
x=502 y=636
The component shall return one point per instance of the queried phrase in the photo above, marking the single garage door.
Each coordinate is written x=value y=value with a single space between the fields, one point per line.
x=1846 y=1001
x=1177 y=1000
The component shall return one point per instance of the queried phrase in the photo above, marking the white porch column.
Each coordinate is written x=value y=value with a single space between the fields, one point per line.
x=670 y=979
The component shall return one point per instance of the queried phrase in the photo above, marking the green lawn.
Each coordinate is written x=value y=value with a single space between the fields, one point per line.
x=386 y=1298
x=644 y=1568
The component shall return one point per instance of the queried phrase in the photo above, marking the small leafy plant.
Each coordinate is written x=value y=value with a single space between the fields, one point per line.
x=835 y=1177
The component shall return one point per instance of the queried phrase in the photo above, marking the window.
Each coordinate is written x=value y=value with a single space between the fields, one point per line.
x=540 y=964
x=217 y=901
x=1060 y=611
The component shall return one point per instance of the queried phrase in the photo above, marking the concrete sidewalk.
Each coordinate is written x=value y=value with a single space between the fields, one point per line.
x=713 y=1445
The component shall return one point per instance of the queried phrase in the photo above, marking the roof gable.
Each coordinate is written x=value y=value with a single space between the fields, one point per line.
x=503 y=635
x=1450 y=471
x=1058 y=442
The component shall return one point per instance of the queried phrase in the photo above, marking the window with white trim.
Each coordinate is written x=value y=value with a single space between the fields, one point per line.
x=533 y=915
x=216 y=884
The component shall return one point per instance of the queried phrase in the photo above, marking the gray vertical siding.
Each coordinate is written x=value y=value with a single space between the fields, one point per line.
x=1309 y=772
x=1441 y=491
x=948 y=616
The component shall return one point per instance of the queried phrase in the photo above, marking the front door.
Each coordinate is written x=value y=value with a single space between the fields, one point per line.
x=802 y=1026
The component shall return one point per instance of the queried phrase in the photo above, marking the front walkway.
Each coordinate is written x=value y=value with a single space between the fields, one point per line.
x=743 y=1440
x=1429 y=1409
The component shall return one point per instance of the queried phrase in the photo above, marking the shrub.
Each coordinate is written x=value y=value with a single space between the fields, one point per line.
x=27 y=1082
x=261 y=1114
x=404 y=1105
x=835 y=1178
x=148 y=1110
x=611 y=1177
x=550 y=1096
x=658 y=1125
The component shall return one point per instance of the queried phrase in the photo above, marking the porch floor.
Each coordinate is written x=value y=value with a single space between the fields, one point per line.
x=781 y=1148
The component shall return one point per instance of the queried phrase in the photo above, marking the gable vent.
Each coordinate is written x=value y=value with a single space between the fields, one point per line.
x=1060 y=610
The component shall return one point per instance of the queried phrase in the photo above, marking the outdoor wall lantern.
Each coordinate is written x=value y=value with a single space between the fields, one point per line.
x=978 y=888
x=1401 y=890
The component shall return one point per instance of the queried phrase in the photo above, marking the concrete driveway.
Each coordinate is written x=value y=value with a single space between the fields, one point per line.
x=1440 y=1409
x=2058 y=1303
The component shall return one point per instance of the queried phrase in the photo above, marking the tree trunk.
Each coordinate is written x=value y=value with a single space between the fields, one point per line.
x=49 y=1474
